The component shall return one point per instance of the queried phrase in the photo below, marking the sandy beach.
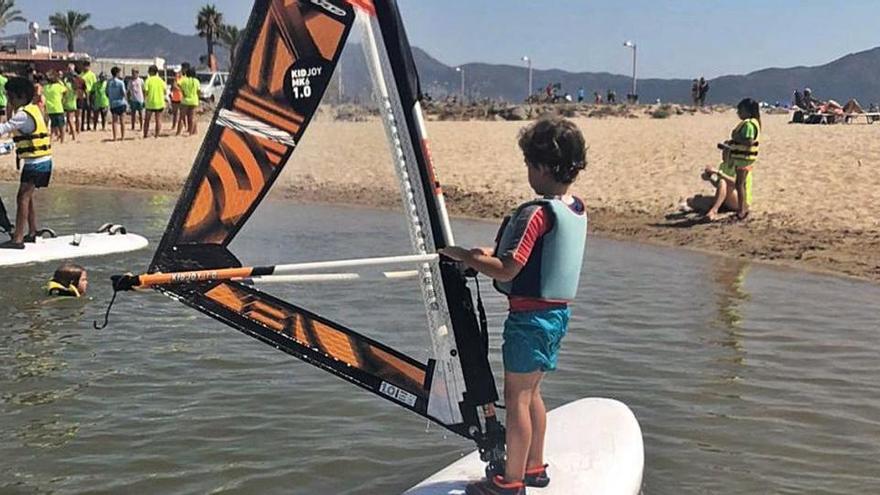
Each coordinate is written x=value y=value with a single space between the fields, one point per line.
x=816 y=189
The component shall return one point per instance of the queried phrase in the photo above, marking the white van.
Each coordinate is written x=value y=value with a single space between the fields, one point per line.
x=211 y=85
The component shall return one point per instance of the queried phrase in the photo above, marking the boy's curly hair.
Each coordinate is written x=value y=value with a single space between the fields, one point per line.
x=556 y=143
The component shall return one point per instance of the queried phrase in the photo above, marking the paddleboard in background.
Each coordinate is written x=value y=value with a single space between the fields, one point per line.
x=109 y=239
x=593 y=446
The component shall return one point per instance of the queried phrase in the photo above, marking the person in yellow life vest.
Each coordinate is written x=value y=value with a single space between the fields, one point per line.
x=69 y=280
x=154 y=93
x=54 y=92
x=733 y=179
x=33 y=149
x=189 y=87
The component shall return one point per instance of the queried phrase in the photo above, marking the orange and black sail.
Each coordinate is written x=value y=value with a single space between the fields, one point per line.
x=289 y=52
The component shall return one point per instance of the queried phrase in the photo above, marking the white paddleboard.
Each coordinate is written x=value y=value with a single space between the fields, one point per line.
x=66 y=247
x=593 y=446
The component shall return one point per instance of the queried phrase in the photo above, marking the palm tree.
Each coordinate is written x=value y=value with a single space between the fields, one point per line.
x=230 y=37
x=9 y=14
x=208 y=23
x=71 y=25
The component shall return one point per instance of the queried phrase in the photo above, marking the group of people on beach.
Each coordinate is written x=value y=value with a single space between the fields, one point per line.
x=77 y=100
x=44 y=108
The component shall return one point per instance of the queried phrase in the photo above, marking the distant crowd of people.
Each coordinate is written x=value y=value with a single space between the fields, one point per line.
x=78 y=100
x=40 y=110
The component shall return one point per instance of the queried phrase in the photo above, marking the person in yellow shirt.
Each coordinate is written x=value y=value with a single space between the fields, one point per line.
x=89 y=79
x=154 y=92
x=189 y=88
x=54 y=92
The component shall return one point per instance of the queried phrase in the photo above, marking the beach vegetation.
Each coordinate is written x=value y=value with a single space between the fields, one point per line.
x=71 y=24
x=208 y=23
x=9 y=14
x=230 y=37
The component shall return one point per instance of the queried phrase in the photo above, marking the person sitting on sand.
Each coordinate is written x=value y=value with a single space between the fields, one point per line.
x=69 y=280
x=733 y=179
x=536 y=263
x=33 y=147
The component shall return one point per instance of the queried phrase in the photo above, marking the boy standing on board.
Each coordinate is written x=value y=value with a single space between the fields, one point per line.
x=33 y=147
x=536 y=263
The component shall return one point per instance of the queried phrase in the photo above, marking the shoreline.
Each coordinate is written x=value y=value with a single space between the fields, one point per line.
x=814 y=199
x=604 y=223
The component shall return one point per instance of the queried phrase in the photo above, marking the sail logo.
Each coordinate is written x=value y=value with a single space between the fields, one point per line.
x=329 y=7
x=398 y=394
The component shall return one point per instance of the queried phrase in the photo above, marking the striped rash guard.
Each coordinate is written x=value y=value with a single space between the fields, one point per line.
x=546 y=238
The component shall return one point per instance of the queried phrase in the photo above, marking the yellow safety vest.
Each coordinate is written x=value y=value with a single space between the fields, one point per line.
x=36 y=144
x=53 y=288
x=745 y=152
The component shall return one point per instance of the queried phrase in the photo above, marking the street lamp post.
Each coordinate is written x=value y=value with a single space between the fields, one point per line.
x=50 y=32
x=527 y=60
x=634 y=96
x=461 y=70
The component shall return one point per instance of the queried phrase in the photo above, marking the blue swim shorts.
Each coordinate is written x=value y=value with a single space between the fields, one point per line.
x=532 y=339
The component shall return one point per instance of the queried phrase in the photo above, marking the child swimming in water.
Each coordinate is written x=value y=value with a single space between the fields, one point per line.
x=69 y=280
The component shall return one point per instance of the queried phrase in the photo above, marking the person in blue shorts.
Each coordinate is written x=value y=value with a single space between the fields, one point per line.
x=33 y=150
x=537 y=263
x=116 y=95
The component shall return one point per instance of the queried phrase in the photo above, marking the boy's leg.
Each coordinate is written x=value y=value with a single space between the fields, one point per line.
x=158 y=117
x=147 y=123
x=519 y=388
x=538 y=414
x=22 y=216
x=32 y=216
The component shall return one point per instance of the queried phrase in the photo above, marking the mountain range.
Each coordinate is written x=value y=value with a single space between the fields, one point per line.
x=852 y=76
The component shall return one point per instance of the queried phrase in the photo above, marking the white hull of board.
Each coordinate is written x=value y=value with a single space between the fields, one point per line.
x=62 y=248
x=594 y=446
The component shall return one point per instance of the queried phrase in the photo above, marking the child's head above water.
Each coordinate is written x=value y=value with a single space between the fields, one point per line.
x=555 y=152
x=69 y=279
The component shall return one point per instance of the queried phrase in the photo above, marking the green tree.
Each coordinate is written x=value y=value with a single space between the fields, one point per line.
x=9 y=14
x=208 y=24
x=71 y=25
x=230 y=37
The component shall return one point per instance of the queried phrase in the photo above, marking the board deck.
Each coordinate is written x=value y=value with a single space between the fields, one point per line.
x=593 y=446
x=62 y=248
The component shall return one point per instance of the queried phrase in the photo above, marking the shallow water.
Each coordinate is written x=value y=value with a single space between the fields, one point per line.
x=745 y=378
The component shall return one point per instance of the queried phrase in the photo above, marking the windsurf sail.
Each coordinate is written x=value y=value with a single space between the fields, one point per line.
x=292 y=48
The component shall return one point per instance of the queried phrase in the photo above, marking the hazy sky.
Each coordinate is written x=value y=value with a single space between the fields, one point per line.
x=676 y=38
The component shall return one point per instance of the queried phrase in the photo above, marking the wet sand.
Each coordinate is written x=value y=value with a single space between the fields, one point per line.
x=815 y=197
